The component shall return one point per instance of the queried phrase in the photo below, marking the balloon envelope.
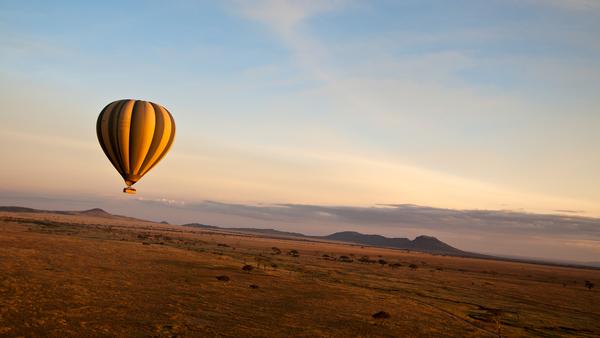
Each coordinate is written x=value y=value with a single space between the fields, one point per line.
x=135 y=135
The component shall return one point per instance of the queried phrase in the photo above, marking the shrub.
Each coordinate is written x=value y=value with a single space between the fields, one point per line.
x=366 y=259
x=381 y=315
x=293 y=253
x=248 y=267
x=345 y=259
x=223 y=278
x=253 y=286
x=382 y=262
x=413 y=266
x=589 y=284
x=328 y=257
x=276 y=251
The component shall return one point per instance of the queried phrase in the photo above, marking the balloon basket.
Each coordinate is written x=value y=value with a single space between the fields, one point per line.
x=129 y=190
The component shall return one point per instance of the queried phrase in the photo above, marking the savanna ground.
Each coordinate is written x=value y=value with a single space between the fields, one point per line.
x=85 y=275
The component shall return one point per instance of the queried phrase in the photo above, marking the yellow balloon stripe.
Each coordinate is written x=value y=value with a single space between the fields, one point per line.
x=160 y=139
x=142 y=130
x=169 y=143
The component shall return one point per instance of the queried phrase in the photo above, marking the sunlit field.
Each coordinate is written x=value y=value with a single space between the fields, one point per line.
x=92 y=274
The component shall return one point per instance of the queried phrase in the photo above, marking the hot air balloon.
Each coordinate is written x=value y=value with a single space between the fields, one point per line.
x=135 y=135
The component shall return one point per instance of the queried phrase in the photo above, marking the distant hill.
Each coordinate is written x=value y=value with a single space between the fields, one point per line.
x=30 y=210
x=422 y=243
x=96 y=212
x=434 y=244
x=374 y=240
x=268 y=232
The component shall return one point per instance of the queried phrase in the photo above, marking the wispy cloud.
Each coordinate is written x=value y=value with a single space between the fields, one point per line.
x=286 y=19
x=570 y=211
x=424 y=96
x=398 y=216
x=164 y=201
x=569 y=4
x=284 y=16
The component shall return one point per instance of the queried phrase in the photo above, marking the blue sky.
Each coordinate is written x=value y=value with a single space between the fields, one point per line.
x=461 y=105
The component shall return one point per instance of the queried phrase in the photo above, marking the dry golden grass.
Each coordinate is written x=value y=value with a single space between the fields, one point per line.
x=63 y=275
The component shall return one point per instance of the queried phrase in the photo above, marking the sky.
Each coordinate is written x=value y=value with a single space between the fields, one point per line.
x=473 y=121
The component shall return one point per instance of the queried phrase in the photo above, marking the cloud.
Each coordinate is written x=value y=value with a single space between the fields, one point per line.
x=500 y=232
x=569 y=4
x=285 y=18
x=164 y=201
x=584 y=243
x=285 y=15
x=399 y=216
x=570 y=211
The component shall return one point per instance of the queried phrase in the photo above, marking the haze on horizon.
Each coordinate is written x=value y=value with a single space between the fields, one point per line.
x=320 y=116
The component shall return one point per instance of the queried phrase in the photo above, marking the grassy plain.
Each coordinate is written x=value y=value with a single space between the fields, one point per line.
x=87 y=275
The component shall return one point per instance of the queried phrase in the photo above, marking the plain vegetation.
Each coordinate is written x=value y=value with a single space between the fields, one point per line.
x=64 y=275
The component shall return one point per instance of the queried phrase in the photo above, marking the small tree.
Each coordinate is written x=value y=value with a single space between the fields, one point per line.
x=276 y=251
x=413 y=266
x=382 y=262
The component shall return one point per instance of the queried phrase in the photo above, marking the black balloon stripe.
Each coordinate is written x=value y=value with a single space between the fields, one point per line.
x=113 y=127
